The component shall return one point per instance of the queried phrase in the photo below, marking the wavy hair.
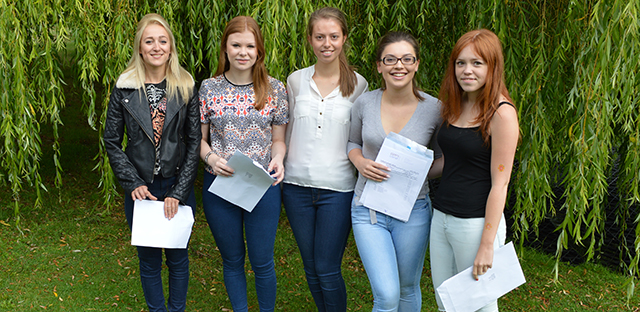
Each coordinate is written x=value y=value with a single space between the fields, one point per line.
x=259 y=72
x=399 y=36
x=179 y=81
x=348 y=78
x=485 y=44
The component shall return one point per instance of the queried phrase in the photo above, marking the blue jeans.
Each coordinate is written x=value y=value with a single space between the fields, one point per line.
x=454 y=245
x=320 y=222
x=227 y=222
x=150 y=258
x=393 y=254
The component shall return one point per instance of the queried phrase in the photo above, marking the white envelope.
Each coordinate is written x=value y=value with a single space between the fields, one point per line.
x=462 y=293
x=150 y=228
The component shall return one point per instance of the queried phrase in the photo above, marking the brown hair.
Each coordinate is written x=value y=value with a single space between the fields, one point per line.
x=348 y=78
x=486 y=45
x=399 y=36
x=259 y=72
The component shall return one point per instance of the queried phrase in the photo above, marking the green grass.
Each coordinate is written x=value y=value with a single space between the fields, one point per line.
x=72 y=254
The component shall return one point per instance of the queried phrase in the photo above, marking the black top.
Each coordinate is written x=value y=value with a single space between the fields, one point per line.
x=466 y=176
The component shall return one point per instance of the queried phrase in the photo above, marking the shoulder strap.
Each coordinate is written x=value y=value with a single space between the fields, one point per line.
x=505 y=102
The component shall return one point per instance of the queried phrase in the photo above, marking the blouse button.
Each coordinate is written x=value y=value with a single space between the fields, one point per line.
x=319 y=127
x=322 y=100
x=320 y=113
x=126 y=100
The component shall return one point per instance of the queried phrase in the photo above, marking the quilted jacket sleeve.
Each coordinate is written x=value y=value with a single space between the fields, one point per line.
x=122 y=167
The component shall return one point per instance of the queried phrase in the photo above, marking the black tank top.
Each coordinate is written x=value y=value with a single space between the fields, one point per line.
x=466 y=176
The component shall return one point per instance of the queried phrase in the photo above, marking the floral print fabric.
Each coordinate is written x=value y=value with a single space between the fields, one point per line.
x=158 y=107
x=234 y=122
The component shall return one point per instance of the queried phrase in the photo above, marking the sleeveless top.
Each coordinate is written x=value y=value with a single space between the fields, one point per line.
x=466 y=176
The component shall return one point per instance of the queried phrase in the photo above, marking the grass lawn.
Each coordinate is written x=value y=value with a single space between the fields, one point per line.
x=73 y=254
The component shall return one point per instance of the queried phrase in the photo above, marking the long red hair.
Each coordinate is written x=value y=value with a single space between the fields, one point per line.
x=486 y=45
x=261 y=86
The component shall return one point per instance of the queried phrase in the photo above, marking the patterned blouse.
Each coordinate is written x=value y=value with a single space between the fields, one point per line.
x=235 y=124
x=158 y=106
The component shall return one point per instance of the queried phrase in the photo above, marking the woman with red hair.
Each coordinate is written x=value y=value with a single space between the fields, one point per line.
x=478 y=138
x=244 y=109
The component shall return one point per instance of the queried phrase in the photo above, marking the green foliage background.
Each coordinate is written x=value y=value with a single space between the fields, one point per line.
x=571 y=67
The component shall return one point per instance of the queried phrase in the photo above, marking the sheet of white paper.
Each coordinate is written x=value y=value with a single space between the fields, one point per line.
x=247 y=184
x=409 y=163
x=463 y=293
x=152 y=229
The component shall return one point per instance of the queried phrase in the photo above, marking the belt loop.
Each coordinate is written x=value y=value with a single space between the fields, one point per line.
x=372 y=215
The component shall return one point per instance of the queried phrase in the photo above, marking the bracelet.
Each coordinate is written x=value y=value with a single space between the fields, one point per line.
x=206 y=157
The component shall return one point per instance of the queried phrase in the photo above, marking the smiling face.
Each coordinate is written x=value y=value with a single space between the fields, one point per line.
x=471 y=71
x=241 y=51
x=155 y=46
x=400 y=75
x=327 y=40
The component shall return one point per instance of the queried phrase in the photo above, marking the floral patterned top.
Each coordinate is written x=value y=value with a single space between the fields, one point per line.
x=158 y=106
x=235 y=124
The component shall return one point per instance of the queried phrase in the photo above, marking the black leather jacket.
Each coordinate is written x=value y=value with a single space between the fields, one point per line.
x=180 y=142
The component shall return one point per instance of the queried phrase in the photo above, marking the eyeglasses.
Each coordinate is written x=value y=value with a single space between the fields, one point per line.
x=392 y=60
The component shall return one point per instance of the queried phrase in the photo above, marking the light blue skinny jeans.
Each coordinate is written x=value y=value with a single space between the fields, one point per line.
x=393 y=254
x=454 y=245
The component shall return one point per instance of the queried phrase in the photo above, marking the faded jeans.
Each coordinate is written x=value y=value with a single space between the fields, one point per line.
x=393 y=254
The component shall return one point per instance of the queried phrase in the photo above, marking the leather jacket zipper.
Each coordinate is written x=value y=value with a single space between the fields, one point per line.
x=145 y=133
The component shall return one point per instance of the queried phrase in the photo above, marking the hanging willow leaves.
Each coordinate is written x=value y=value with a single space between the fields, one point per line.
x=31 y=92
x=571 y=68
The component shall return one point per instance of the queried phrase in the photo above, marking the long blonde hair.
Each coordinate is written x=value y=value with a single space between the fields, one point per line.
x=259 y=73
x=179 y=81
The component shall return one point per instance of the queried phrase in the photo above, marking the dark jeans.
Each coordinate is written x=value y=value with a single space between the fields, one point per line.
x=321 y=221
x=151 y=258
x=227 y=222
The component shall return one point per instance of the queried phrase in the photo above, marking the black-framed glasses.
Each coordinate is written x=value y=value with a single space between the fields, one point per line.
x=392 y=60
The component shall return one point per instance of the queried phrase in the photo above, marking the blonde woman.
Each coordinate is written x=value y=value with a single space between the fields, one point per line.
x=155 y=101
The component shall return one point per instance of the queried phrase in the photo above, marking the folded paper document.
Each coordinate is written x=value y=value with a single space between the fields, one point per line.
x=409 y=163
x=463 y=293
x=246 y=186
x=151 y=228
